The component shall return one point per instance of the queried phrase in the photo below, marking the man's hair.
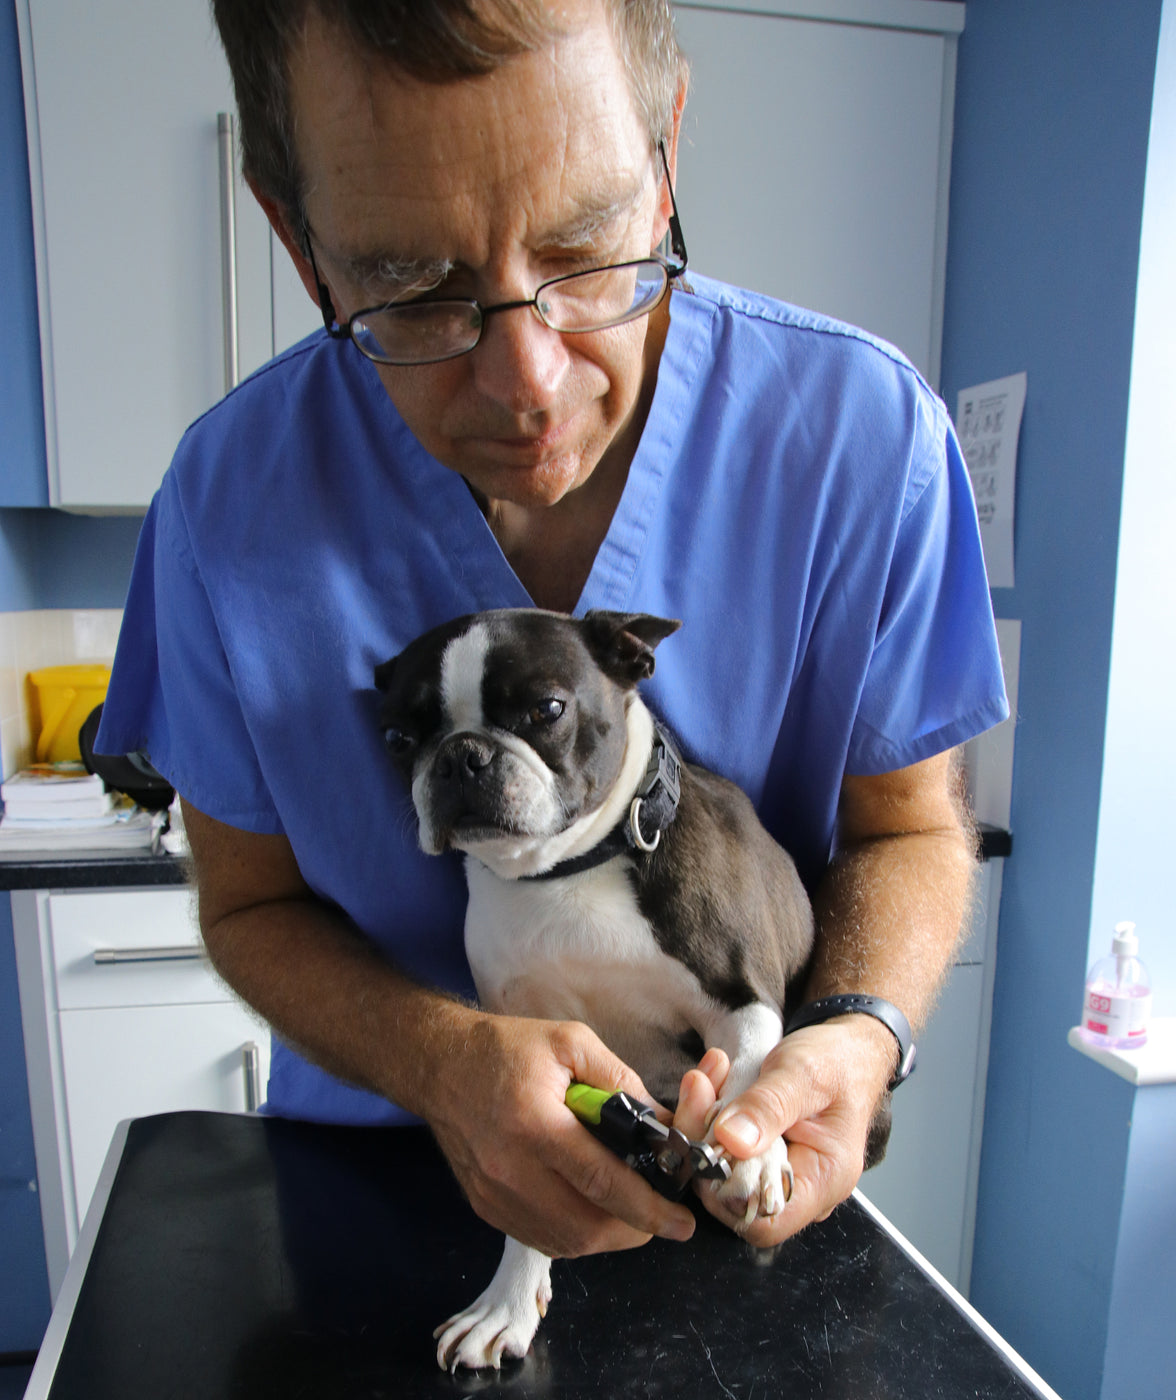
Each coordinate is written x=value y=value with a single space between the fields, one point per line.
x=431 y=40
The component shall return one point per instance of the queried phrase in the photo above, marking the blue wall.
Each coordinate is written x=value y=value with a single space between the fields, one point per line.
x=22 y=434
x=1052 y=116
x=49 y=559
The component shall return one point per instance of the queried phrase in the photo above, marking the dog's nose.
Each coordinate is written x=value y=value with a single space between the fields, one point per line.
x=464 y=755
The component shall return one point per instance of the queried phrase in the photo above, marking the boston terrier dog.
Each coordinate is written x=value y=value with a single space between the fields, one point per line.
x=609 y=883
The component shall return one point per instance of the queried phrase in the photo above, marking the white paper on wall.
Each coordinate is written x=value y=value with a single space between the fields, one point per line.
x=988 y=422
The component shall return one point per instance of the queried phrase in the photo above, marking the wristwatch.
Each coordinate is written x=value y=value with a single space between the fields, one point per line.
x=825 y=1008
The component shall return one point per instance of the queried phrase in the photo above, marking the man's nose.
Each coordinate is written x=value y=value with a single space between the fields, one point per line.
x=519 y=362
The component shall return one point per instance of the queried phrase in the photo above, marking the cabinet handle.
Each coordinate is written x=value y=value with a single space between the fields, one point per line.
x=183 y=952
x=227 y=147
x=251 y=1066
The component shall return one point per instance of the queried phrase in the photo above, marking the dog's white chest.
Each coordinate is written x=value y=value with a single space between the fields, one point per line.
x=579 y=948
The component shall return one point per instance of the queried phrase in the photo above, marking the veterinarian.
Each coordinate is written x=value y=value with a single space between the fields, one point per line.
x=786 y=486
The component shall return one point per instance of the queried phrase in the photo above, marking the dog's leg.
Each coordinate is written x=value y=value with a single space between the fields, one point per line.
x=502 y=1320
x=761 y=1186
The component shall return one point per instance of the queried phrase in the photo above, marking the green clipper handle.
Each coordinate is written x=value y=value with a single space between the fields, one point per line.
x=586 y=1102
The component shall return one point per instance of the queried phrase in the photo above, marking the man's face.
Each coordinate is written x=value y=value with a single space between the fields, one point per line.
x=487 y=188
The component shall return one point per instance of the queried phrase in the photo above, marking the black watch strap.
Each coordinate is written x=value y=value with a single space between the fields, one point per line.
x=814 y=1012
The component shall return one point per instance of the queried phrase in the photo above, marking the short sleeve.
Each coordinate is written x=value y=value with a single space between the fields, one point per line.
x=172 y=691
x=934 y=677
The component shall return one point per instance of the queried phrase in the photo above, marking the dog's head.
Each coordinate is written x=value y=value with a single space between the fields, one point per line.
x=512 y=727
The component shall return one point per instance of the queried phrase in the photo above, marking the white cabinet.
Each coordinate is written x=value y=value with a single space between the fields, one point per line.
x=122 y=1017
x=814 y=166
x=121 y=102
x=815 y=156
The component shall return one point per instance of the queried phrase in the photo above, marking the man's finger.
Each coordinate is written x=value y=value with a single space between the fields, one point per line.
x=798 y=1080
x=696 y=1101
x=759 y=1115
x=820 y=1185
x=603 y=1179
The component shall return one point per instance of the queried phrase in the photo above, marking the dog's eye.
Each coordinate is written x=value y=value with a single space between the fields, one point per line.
x=546 y=711
x=397 y=741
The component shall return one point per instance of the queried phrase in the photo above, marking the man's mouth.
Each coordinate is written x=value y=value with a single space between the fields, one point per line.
x=533 y=446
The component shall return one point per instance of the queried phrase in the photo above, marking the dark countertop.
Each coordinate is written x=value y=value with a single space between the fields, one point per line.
x=260 y=1259
x=76 y=870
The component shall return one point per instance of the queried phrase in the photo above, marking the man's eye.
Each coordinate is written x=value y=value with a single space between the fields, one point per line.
x=397 y=741
x=546 y=711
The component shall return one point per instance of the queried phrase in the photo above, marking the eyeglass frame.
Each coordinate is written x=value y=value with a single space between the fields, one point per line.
x=338 y=330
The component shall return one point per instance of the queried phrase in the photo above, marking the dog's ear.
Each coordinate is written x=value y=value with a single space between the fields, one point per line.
x=383 y=674
x=623 y=643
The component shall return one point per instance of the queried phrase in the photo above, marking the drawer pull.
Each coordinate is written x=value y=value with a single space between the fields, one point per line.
x=251 y=1066
x=182 y=952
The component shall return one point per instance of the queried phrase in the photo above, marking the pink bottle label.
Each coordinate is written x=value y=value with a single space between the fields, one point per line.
x=1116 y=1017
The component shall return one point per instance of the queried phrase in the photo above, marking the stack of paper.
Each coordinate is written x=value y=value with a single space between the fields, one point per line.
x=59 y=806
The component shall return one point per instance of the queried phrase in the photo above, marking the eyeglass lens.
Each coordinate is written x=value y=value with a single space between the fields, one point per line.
x=418 y=332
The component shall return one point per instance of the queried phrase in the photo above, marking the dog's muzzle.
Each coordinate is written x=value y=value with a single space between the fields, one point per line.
x=465 y=780
x=477 y=786
x=462 y=760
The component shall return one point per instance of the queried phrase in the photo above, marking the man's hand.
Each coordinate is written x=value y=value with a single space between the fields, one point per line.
x=818 y=1089
x=889 y=912
x=526 y=1163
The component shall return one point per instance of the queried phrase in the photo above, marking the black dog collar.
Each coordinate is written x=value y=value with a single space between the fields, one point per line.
x=653 y=808
x=891 y=1017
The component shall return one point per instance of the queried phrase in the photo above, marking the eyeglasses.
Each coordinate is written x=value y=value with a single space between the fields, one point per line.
x=426 y=332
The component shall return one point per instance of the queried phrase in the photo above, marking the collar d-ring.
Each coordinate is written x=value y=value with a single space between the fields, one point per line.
x=635 y=827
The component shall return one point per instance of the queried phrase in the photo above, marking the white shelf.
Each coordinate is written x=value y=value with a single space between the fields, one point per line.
x=1153 y=1063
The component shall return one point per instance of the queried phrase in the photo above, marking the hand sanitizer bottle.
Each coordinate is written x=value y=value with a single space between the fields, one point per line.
x=1118 y=995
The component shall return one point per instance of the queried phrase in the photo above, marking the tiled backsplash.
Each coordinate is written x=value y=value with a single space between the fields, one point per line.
x=52 y=637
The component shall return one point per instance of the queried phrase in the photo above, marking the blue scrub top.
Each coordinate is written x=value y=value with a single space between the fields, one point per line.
x=798 y=500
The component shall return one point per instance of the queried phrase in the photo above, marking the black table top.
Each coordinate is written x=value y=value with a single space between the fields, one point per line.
x=250 y=1257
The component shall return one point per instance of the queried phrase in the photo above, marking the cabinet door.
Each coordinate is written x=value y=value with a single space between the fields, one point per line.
x=127 y=1062
x=114 y=948
x=814 y=161
x=122 y=101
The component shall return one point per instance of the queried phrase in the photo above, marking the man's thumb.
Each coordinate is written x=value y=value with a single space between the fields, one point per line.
x=749 y=1123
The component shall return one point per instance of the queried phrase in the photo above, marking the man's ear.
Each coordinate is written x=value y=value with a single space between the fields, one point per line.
x=280 y=223
x=623 y=643
x=665 y=208
x=676 y=129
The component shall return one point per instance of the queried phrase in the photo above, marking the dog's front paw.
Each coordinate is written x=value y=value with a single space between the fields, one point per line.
x=503 y=1320
x=759 y=1187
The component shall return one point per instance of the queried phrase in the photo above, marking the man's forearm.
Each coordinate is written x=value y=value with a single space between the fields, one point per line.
x=890 y=912
x=302 y=966
x=895 y=898
x=328 y=993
